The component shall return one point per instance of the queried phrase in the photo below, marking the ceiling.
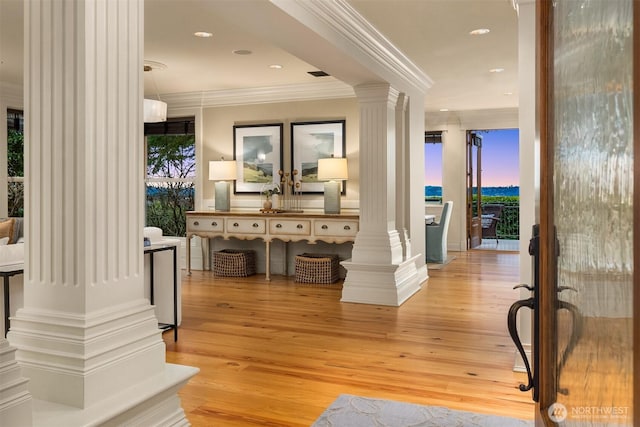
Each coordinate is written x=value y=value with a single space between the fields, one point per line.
x=434 y=34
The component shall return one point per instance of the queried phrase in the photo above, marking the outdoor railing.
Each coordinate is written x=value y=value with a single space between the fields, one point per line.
x=509 y=224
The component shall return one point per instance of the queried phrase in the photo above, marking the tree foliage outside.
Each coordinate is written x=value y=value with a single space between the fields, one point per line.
x=15 y=168
x=171 y=165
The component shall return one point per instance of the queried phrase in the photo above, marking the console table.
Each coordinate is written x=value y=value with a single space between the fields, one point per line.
x=287 y=227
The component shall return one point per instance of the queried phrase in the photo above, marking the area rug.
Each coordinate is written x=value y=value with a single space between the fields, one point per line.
x=440 y=266
x=355 y=411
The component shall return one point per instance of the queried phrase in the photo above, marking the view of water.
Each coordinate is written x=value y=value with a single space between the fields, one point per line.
x=433 y=191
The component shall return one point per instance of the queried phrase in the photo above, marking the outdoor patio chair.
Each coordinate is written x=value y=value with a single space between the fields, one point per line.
x=491 y=214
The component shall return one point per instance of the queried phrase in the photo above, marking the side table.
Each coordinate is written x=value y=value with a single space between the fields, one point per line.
x=159 y=248
x=6 y=271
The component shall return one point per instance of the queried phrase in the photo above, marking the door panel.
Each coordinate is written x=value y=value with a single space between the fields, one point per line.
x=587 y=214
x=474 y=189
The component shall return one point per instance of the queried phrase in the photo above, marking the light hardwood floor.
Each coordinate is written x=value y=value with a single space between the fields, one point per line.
x=278 y=353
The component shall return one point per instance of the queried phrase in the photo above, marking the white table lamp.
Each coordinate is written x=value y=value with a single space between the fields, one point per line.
x=222 y=171
x=333 y=170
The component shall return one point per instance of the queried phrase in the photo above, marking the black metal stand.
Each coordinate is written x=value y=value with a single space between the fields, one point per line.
x=6 y=272
x=151 y=250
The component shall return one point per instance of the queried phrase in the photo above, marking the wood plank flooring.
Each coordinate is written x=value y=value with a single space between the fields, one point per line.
x=278 y=353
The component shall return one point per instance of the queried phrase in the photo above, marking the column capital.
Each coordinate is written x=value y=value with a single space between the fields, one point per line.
x=376 y=92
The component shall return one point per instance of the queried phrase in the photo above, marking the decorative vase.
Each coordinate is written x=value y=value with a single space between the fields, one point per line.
x=267 y=204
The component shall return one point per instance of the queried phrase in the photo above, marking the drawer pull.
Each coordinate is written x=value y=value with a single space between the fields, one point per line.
x=235 y=224
x=299 y=226
x=214 y=224
x=196 y=223
x=255 y=225
x=278 y=225
x=346 y=227
x=325 y=227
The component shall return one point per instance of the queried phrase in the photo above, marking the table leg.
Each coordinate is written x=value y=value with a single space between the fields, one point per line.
x=6 y=305
x=175 y=294
x=189 y=255
x=151 y=281
x=267 y=260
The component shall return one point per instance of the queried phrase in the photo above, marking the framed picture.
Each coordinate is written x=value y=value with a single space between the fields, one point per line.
x=258 y=151
x=312 y=141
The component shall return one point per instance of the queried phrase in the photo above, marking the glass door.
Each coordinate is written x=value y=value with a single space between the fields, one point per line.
x=586 y=292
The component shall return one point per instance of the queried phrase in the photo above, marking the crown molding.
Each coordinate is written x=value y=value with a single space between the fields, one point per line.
x=341 y=24
x=260 y=95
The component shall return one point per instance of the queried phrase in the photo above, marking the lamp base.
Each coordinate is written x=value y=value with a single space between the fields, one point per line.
x=332 y=197
x=222 y=196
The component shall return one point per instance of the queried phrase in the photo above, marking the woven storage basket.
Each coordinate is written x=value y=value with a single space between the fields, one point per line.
x=317 y=268
x=234 y=262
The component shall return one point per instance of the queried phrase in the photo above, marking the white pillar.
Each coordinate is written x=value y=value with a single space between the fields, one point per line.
x=378 y=272
x=529 y=158
x=15 y=402
x=86 y=335
x=402 y=175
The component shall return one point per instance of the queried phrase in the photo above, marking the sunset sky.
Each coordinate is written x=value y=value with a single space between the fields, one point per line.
x=500 y=163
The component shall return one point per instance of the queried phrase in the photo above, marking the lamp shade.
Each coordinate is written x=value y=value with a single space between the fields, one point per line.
x=154 y=111
x=332 y=168
x=222 y=170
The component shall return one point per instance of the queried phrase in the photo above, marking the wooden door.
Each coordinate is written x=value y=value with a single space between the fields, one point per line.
x=474 y=189
x=588 y=212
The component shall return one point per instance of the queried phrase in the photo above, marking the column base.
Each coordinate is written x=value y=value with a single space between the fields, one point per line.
x=388 y=284
x=80 y=360
x=15 y=400
x=153 y=402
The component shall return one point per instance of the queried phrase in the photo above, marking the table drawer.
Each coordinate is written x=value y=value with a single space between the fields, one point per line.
x=336 y=228
x=246 y=226
x=205 y=224
x=290 y=226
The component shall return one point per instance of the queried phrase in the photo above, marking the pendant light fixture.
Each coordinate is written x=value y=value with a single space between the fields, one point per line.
x=154 y=110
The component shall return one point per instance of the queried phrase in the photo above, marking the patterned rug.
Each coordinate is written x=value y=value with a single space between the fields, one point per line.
x=355 y=411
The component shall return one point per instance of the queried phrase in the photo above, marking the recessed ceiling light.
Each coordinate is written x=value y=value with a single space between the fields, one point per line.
x=444 y=109
x=202 y=34
x=496 y=70
x=242 y=52
x=275 y=66
x=479 y=32
x=508 y=93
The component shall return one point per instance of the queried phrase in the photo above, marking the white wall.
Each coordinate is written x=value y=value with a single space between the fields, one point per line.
x=218 y=125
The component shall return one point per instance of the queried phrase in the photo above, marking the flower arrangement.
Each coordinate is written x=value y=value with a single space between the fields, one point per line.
x=268 y=192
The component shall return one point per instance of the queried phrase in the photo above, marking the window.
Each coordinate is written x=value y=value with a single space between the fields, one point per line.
x=15 y=162
x=433 y=167
x=171 y=168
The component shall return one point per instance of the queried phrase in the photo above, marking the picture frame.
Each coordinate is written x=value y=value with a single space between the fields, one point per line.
x=315 y=140
x=258 y=151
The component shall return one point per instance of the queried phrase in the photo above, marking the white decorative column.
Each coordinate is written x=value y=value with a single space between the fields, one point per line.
x=15 y=400
x=86 y=337
x=402 y=187
x=378 y=273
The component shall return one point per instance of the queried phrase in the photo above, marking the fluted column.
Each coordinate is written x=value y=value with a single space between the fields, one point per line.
x=86 y=333
x=402 y=174
x=378 y=272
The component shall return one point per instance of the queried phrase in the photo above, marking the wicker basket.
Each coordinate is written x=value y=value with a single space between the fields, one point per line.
x=317 y=268
x=234 y=263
